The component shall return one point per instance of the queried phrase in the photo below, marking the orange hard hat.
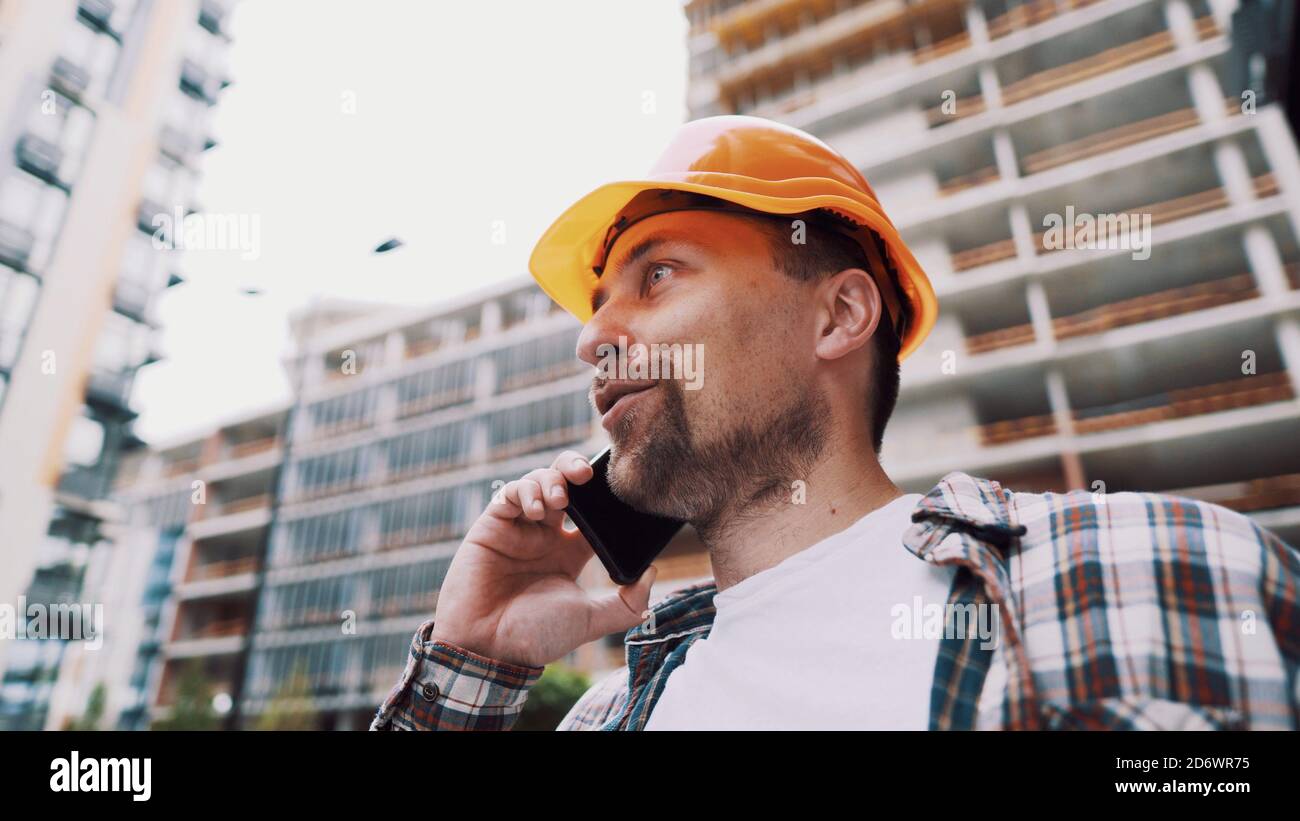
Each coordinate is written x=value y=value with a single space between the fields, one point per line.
x=736 y=162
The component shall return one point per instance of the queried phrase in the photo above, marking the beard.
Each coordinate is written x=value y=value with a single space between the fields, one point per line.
x=716 y=483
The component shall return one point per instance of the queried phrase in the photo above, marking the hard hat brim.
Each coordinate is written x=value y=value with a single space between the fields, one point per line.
x=562 y=260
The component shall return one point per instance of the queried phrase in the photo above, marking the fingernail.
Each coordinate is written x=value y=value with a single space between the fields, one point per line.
x=557 y=492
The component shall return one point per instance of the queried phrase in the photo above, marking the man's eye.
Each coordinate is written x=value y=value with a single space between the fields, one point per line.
x=657 y=272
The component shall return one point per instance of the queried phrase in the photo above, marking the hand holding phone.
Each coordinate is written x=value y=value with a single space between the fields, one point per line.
x=624 y=539
x=511 y=591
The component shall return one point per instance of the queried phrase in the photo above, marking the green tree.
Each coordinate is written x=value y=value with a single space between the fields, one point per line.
x=193 y=707
x=289 y=708
x=94 y=710
x=552 y=696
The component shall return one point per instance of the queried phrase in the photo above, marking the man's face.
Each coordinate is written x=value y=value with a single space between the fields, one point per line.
x=750 y=421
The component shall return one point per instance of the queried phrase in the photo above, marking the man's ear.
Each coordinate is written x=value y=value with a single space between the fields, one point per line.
x=849 y=308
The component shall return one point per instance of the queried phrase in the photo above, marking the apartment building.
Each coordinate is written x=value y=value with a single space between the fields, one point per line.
x=982 y=125
x=104 y=115
x=405 y=424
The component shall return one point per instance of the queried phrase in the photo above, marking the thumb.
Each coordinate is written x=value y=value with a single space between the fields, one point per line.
x=625 y=607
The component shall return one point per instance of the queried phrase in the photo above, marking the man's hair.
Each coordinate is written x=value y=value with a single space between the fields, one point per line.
x=825 y=252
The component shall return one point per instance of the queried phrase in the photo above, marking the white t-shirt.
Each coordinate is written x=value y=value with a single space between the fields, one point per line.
x=811 y=642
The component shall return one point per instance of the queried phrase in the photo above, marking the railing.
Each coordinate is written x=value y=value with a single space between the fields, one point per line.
x=1109 y=140
x=983 y=255
x=954 y=185
x=434 y=401
x=419 y=348
x=222 y=570
x=413 y=536
x=1014 y=430
x=398 y=605
x=1170 y=302
x=1265 y=493
x=426 y=469
x=1001 y=338
x=252 y=447
x=943 y=48
x=1031 y=14
x=1104 y=62
x=222 y=629
x=182 y=467
x=261 y=500
x=541 y=441
x=962 y=108
x=1175 y=404
x=538 y=376
x=1177 y=208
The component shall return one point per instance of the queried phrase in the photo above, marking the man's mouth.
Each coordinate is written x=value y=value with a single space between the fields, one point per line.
x=614 y=397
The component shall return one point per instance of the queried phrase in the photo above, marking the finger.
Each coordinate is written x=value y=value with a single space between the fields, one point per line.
x=554 y=489
x=624 y=608
x=505 y=502
x=530 y=499
x=574 y=467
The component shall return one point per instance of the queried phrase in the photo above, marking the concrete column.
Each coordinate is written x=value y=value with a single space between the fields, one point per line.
x=990 y=88
x=1280 y=150
x=1022 y=231
x=1004 y=153
x=1040 y=315
x=1207 y=95
x=1182 y=24
x=1234 y=173
x=977 y=25
x=1059 y=401
x=1288 y=344
x=1265 y=262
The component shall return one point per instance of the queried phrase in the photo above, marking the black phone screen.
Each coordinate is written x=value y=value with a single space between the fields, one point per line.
x=624 y=539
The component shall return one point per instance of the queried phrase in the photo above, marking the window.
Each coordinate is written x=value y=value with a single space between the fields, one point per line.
x=30 y=211
x=17 y=301
x=85 y=442
x=123 y=345
x=93 y=52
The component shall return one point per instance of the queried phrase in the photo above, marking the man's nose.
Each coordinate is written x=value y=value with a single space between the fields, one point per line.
x=601 y=336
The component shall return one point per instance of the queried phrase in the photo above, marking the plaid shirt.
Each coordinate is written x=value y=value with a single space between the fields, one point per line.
x=1122 y=611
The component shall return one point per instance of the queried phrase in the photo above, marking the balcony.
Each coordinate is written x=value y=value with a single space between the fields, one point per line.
x=539 y=376
x=394 y=606
x=1178 y=208
x=70 y=77
x=1015 y=430
x=541 y=441
x=1266 y=493
x=1170 y=302
x=411 y=536
x=99 y=13
x=417 y=405
x=181 y=467
x=1103 y=62
x=222 y=629
x=1111 y=139
x=1175 y=404
x=16 y=244
x=39 y=157
x=110 y=389
x=222 y=569
x=1031 y=14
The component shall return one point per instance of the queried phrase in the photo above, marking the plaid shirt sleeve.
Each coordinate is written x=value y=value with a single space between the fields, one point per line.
x=445 y=687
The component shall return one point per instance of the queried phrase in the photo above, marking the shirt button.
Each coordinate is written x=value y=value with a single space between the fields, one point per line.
x=429 y=691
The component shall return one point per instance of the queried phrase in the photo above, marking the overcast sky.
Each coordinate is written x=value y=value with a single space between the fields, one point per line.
x=467 y=117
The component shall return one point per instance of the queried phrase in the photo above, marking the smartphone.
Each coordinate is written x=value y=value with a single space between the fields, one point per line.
x=626 y=540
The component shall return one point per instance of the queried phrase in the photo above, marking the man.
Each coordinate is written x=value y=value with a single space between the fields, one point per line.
x=768 y=249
